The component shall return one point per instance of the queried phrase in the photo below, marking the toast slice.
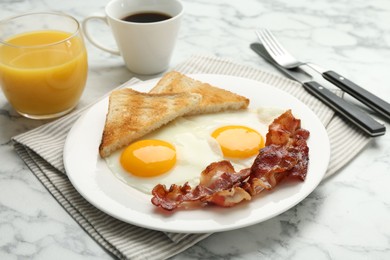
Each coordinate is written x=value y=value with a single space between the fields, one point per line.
x=214 y=99
x=132 y=114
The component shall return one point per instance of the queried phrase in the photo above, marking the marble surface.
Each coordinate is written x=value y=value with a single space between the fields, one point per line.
x=346 y=217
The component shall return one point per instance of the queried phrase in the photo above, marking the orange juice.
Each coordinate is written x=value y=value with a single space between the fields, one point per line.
x=43 y=72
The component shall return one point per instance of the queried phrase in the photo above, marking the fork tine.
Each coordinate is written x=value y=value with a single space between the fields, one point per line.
x=270 y=40
x=275 y=43
x=276 y=50
x=264 y=41
x=267 y=42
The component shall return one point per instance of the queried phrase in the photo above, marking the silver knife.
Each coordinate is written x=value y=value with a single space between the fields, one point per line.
x=347 y=110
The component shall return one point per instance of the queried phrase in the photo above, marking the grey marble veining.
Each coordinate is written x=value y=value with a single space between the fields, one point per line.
x=346 y=217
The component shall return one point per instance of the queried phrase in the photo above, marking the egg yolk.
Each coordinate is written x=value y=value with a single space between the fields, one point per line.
x=148 y=158
x=238 y=141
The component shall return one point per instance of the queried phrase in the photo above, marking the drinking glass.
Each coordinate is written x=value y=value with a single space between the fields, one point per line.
x=43 y=63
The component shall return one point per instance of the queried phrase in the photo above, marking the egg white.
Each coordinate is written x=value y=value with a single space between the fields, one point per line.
x=195 y=148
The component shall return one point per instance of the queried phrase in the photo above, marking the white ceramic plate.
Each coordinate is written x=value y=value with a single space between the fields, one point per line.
x=95 y=182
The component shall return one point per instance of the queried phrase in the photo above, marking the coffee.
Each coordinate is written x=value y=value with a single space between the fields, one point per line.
x=145 y=32
x=146 y=17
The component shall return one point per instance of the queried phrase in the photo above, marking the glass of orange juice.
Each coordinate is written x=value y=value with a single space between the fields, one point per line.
x=43 y=63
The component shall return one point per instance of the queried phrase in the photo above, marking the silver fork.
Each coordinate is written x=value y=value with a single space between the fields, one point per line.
x=277 y=52
x=286 y=60
x=347 y=110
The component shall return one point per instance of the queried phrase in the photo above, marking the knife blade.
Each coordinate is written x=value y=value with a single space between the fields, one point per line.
x=347 y=110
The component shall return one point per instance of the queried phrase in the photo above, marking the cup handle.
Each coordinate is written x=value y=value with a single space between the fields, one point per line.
x=90 y=37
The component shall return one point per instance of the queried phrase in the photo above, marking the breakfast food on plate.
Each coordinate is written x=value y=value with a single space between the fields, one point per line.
x=147 y=153
x=285 y=155
x=214 y=99
x=193 y=140
x=132 y=114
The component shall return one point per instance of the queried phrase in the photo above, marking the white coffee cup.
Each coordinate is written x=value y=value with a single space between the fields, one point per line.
x=146 y=48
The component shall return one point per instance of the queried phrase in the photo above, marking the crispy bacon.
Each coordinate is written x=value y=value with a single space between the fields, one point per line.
x=283 y=129
x=286 y=155
x=219 y=180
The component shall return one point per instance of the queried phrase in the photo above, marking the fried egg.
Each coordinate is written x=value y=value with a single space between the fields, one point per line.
x=179 y=151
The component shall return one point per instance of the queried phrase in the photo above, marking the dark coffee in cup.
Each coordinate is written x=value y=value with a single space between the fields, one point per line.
x=146 y=17
x=145 y=32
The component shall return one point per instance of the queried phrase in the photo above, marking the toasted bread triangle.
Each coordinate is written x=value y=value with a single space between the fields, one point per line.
x=132 y=114
x=214 y=99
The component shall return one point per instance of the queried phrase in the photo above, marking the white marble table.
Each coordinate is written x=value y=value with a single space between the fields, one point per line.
x=346 y=217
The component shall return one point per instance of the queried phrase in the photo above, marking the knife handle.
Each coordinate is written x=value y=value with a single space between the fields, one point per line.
x=374 y=102
x=350 y=112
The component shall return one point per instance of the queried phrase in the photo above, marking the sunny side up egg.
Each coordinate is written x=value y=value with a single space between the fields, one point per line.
x=179 y=151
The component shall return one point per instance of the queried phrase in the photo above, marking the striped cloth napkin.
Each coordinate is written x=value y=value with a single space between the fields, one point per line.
x=42 y=151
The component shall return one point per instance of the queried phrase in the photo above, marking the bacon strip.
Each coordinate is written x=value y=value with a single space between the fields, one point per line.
x=215 y=181
x=286 y=155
